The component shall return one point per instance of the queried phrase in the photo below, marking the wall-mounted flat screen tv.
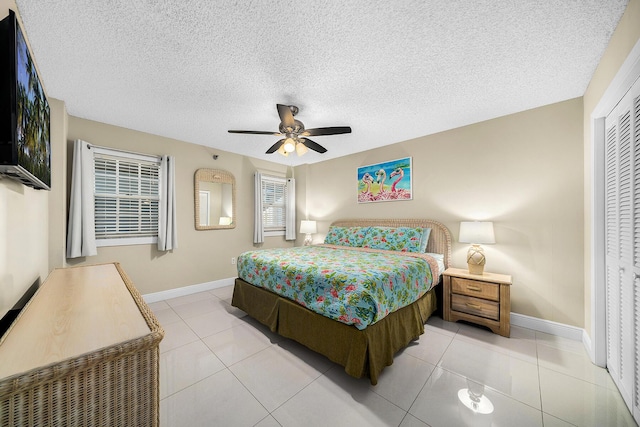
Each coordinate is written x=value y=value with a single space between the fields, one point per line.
x=25 y=143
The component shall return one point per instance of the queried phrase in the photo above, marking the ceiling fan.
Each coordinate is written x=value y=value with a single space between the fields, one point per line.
x=295 y=135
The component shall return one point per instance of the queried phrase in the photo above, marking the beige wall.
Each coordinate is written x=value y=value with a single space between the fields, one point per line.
x=24 y=230
x=58 y=196
x=525 y=172
x=522 y=171
x=201 y=256
x=24 y=251
x=622 y=41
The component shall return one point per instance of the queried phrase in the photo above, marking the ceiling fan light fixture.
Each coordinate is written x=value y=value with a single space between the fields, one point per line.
x=301 y=148
x=282 y=151
x=289 y=145
x=294 y=133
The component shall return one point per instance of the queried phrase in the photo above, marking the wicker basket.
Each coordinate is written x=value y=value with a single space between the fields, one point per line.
x=116 y=385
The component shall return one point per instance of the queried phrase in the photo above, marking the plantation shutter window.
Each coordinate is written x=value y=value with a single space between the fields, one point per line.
x=126 y=197
x=274 y=203
x=120 y=198
x=274 y=207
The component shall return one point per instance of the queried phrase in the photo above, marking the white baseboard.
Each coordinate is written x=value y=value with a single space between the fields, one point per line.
x=187 y=290
x=549 y=327
x=529 y=322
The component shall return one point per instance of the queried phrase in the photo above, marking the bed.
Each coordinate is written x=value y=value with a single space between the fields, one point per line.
x=362 y=338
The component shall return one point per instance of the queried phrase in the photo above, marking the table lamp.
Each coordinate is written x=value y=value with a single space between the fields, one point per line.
x=308 y=228
x=476 y=233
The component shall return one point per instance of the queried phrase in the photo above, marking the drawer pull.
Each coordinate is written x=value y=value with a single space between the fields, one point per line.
x=474 y=288
x=476 y=306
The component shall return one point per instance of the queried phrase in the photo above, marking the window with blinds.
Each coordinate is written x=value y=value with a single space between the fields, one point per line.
x=274 y=204
x=126 y=197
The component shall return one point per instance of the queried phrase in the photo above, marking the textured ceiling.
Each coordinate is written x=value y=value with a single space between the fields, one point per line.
x=392 y=70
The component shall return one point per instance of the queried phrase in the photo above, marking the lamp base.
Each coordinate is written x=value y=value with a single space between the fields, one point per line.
x=307 y=240
x=476 y=269
x=476 y=260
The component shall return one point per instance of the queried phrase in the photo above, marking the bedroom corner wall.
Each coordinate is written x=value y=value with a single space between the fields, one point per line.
x=624 y=38
x=201 y=256
x=24 y=229
x=522 y=171
x=58 y=196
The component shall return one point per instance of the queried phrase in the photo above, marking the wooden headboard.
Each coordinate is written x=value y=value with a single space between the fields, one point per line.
x=439 y=240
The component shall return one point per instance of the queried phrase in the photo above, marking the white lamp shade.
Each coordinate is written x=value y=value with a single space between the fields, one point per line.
x=289 y=145
x=301 y=148
x=308 y=227
x=479 y=232
x=281 y=151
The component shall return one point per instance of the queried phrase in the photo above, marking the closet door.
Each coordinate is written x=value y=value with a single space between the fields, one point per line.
x=635 y=241
x=622 y=216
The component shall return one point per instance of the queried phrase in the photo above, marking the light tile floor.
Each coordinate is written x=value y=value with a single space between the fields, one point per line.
x=219 y=367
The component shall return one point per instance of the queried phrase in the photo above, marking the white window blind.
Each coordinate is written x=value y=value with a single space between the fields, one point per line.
x=126 y=196
x=274 y=203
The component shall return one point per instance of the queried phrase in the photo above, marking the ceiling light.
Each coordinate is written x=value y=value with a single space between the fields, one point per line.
x=281 y=151
x=301 y=148
x=289 y=145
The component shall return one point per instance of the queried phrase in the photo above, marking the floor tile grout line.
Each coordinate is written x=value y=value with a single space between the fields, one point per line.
x=550 y=368
x=251 y=355
x=197 y=382
x=457 y=335
x=190 y=302
x=227 y=368
x=298 y=392
x=420 y=391
x=184 y=319
x=539 y=380
x=492 y=389
x=181 y=345
x=427 y=380
x=247 y=388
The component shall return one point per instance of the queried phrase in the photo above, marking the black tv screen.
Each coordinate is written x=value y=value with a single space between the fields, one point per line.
x=25 y=143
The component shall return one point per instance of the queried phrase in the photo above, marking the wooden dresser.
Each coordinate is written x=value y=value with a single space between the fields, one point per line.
x=481 y=299
x=83 y=352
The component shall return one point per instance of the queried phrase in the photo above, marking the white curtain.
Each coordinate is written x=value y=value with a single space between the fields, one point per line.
x=81 y=235
x=258 y=227
x=290 y=217
x=167 y=225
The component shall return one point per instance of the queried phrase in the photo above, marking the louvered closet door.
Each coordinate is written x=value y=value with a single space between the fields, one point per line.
x=622 y=187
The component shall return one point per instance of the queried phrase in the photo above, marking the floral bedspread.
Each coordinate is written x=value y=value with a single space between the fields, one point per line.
x=356 y=286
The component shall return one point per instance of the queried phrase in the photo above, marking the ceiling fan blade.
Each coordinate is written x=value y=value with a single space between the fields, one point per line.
x=313 y=145
x=286 y=116
x=275 y=146
x=336 y=130
x=256 y=132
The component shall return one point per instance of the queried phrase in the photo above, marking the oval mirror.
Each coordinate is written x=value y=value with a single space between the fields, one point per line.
x=215 y=199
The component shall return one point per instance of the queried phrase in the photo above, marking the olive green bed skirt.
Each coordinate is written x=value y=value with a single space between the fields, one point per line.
x=362 y=352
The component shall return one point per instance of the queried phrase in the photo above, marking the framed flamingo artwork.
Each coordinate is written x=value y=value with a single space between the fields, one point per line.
x=387 y=181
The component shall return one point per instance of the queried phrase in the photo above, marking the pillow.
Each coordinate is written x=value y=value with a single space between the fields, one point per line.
x=402 y=239
x=346 y=236
x=425 y=239
x=438 y=257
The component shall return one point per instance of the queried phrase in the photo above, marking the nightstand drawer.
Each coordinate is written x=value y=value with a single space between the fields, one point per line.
x=475 y=306
x=475 y=288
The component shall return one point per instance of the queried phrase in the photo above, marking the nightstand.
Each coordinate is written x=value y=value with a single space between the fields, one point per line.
x=480 y=299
